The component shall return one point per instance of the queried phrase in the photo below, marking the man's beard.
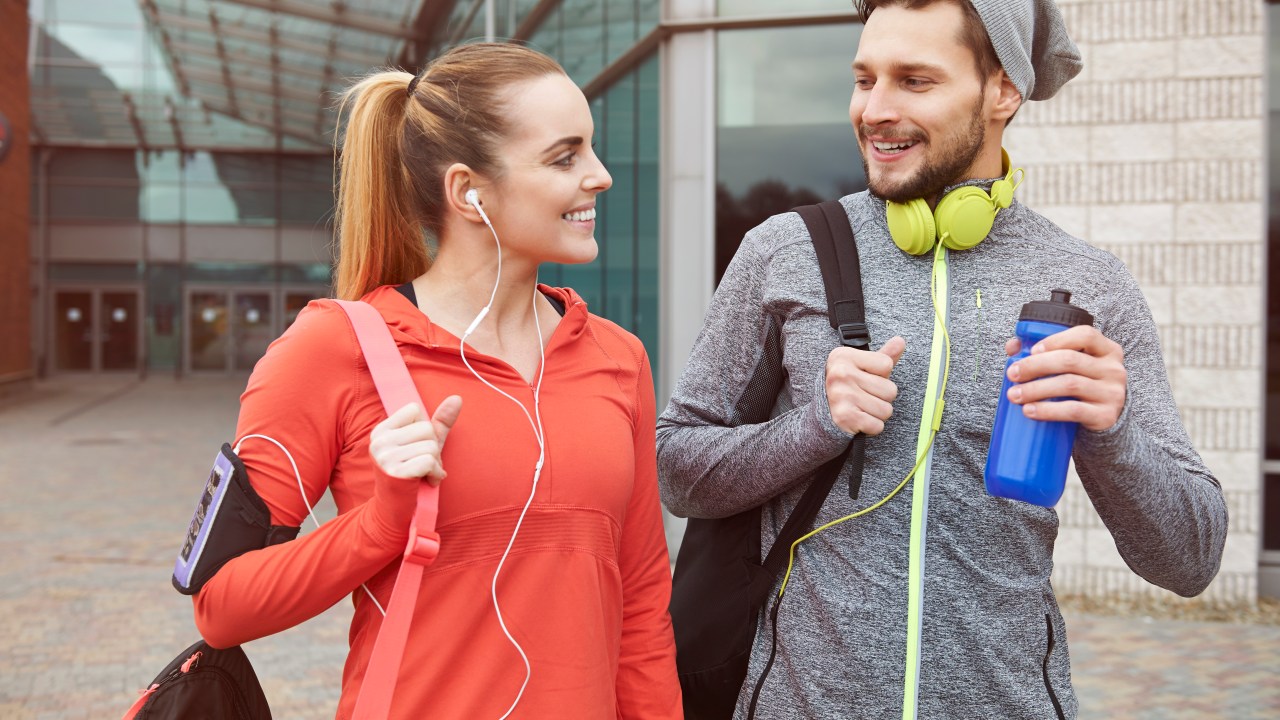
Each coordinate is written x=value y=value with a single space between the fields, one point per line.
x=946 y=166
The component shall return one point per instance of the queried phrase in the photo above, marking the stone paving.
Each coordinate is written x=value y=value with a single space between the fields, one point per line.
x=98 y=478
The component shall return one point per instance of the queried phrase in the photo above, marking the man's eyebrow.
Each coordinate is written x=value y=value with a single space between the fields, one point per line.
x=572 y=141
x=907 y=68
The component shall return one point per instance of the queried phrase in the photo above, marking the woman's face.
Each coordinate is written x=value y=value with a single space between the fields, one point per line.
x=543 y=207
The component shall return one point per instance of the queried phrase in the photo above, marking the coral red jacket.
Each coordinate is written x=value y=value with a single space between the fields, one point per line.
x=586 y=586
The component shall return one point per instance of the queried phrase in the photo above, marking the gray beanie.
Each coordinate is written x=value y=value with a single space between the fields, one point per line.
x=1032 y=43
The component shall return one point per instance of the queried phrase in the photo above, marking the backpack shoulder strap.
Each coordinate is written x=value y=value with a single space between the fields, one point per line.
x=841 y=274
x=396 y=389
x=837 y=252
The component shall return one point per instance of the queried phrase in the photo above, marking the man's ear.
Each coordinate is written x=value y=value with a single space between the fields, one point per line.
x=458 y=179
x=1006 y=100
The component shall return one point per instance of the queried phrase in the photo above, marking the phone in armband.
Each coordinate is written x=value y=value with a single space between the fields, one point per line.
x=230 y=519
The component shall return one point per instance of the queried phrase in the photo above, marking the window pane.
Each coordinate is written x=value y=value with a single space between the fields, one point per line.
x=746 y=8
x=620 y=31
x=582 y=52
x=618 y=231
x=85 y=201
x=93 y=165
x=646 y=212
x=547 y=37
x=783 y=137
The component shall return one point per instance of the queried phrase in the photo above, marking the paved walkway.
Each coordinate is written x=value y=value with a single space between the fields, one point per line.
x=98 y=478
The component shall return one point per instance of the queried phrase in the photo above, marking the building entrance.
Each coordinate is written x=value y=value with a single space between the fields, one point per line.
x=97 y=329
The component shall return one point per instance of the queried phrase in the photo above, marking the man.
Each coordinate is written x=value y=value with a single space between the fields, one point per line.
x=938 y=603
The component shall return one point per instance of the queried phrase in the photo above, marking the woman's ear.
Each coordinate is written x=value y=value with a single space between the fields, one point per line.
x=459 y=181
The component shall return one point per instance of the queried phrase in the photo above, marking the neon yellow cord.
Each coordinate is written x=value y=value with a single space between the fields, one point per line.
x=934 y=424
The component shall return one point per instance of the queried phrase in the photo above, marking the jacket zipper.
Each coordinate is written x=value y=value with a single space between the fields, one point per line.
x=1044 y=667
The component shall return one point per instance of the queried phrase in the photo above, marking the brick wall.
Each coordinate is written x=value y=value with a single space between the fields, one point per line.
x=1155 y=153
x=15 y=189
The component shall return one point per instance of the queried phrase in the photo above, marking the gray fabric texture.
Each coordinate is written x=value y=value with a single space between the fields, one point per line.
x=993 y=642
x=1031 y=41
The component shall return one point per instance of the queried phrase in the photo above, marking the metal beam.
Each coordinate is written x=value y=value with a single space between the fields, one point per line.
x=222 y=59
x=337 y=15
x=267 y=36
x=222 y=110
x=745 y=23
x=171 y=114
x=625 y=63
x=254 y=61
x=249 y=106
x=466 y=22
x=131 y=112
x=430 y=14
x=153 y=14
x=530 y=24
x=265 y=88
x=637 y=53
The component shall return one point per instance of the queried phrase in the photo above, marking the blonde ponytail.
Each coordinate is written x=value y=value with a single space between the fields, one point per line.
x=380 y=238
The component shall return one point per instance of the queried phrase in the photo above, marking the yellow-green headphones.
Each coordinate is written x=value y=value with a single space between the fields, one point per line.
x=962 y=219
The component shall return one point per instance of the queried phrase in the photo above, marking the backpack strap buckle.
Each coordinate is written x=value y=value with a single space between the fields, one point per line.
x=854 y=335
x=423 y=547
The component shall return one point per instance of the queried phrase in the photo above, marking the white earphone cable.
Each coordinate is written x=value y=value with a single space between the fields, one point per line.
x=310 y=510
x=535 y=421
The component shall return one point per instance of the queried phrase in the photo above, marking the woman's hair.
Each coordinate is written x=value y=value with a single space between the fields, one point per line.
x=397 y=146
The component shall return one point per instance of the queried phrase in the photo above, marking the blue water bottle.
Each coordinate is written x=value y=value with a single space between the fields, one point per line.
x=1027 y=459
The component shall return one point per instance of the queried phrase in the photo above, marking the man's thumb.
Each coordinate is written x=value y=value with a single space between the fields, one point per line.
x=894 y=348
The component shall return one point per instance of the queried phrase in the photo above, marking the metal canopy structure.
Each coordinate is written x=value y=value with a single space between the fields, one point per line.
x=212 y=74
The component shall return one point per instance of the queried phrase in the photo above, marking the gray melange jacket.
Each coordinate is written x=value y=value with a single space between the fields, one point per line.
x=993 y=641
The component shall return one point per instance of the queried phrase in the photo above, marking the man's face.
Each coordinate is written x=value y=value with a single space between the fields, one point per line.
x=918 y=107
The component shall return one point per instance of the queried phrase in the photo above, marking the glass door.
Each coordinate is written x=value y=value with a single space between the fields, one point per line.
x=252 y=328
x=96 y=329
x=118 y=331
x=208 y=336
x=73 y=320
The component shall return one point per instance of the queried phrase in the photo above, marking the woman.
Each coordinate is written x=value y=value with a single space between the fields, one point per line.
x=536 y=402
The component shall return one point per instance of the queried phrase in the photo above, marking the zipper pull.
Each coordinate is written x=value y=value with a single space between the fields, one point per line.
x=977 y=365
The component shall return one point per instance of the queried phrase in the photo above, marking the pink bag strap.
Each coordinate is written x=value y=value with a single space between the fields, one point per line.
x=396 y=389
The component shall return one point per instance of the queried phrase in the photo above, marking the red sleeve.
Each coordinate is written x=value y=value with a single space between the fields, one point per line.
x=647 y=685
x=302 y=394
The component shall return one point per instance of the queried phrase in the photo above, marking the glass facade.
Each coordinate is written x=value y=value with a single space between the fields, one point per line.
x=783 y=136
x=622 y=283
x=585 y=36
x=194 y=187
x=141 y=141
x=196 y=135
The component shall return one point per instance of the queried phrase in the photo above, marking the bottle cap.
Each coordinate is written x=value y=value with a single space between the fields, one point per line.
x=1058 y=309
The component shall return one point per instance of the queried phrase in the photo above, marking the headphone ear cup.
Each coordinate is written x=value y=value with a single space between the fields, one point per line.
x=911 y=226
x=965 y=217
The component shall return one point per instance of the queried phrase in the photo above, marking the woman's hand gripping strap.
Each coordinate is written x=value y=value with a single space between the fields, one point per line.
x=396 y=389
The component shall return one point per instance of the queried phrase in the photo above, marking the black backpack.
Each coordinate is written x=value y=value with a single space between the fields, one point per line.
x=204 y=683
x=720 y=583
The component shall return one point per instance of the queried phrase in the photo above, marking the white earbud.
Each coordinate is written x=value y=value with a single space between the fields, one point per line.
x=473 y=197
